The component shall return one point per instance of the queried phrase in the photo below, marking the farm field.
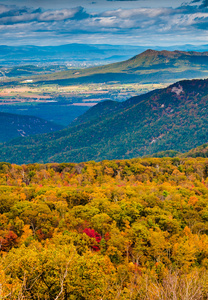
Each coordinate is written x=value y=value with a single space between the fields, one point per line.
x=74 y=93
x=62 y=104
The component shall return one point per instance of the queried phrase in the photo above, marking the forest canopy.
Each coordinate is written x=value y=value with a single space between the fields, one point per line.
x=122 y=229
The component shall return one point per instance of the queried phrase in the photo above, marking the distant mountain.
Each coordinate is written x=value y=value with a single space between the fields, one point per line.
x=29 y=70
x=150 y=66
x=174 y=118
x=13 y=126
x=28 y=54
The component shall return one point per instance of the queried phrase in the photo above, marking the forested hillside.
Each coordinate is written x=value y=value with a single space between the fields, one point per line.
x=174 y=118
x=201 y=151
x=13 y=126
x=123 y=229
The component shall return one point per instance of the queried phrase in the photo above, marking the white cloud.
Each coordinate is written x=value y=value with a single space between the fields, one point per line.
x=134 y=13
x=58 y=15
x=149 y=24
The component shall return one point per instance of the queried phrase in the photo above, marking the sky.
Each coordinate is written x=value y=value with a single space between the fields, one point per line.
x=132 y=22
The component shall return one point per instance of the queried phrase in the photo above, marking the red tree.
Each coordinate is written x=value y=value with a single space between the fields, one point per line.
x=93 y=234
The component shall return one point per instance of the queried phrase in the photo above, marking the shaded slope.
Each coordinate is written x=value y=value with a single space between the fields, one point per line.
x=13 y=126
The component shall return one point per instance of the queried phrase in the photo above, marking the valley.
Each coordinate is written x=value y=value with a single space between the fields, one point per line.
x=164 y=119
x=24 y=93
x=63 y=104
x=60 y=94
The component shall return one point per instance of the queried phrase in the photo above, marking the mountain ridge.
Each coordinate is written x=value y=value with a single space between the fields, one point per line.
x=174 y=118
x=148 y=66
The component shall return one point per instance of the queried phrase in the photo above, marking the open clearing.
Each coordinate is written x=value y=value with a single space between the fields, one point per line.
x=75 y=93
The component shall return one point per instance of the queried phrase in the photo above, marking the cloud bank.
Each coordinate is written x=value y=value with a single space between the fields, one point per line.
x=187 y=23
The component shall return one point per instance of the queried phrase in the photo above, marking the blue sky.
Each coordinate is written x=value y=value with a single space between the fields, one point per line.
x=133 y=22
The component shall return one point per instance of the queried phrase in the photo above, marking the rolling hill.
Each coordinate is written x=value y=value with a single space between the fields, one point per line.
x=201 y=151
x=13 y=126
x=150 y=66
x=174 y=118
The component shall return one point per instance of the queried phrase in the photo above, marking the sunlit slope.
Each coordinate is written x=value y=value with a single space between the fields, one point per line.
x=201 y=151
x=149 y=66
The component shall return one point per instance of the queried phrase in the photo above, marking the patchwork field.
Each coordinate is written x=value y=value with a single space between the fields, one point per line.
x=62 y=104
x=74 y=93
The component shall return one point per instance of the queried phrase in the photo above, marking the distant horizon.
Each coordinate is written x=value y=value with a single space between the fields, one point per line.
x=108 y=44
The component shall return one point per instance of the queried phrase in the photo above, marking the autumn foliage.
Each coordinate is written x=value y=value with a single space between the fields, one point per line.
x=95 y=235
x=126 y=229
x=8 y=241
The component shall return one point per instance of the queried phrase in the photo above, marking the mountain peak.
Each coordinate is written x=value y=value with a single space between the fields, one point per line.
x=150 y=66
x=150 y=52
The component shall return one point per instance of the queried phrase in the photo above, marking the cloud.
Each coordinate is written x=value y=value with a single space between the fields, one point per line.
x=13 y=15
x=64 y=14
x=204 y=4
x=123 y=0
x=139 y=12
x=145 y=25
